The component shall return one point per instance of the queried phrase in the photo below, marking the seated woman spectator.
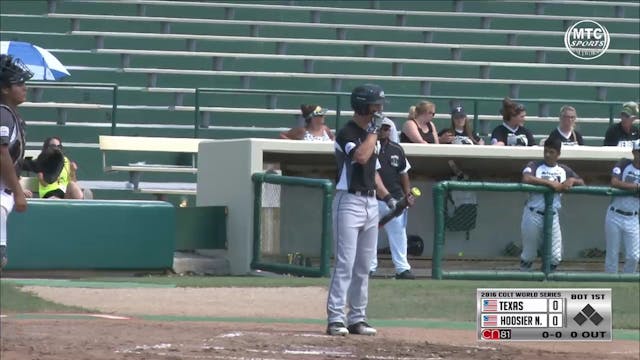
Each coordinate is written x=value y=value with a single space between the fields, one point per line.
x=419 y=128
x=64 y=185
x=314 y=129
x=566 y=131
x=512 y=131
x=460 y=132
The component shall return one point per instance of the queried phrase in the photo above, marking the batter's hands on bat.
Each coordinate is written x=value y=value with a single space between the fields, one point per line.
x=411 y=200
x=391 y=202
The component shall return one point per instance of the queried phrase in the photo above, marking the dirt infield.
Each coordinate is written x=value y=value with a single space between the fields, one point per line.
x=59 y=337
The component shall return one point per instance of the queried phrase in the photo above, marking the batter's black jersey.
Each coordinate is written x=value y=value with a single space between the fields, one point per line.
x=616 y=136
x=523 y=137
x=393 y=162
x=574 y=139
x=350 y=174
x=12 y=134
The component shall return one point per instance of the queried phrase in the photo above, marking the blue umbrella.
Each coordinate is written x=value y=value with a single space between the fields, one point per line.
x=41 y=62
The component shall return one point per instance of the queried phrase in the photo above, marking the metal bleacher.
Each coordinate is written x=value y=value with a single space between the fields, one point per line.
x=159 y=51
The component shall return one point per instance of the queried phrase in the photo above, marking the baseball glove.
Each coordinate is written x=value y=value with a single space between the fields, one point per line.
x=50 y=163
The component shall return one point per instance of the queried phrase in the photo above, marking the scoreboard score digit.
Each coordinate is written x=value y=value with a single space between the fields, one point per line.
x=544 y=315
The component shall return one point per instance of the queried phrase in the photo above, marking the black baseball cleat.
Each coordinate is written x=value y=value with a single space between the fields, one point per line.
x=337 y=329
x=405 y=275
x=361 y=328
x=553 y=268
x=525 y=265
x=3 y=256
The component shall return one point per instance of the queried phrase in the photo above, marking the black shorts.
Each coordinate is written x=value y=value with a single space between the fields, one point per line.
x=57 y=193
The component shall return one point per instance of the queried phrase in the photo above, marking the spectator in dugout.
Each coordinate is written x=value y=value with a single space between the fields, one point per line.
x=460 y=130
x=624 y=133
x=314 y=128
x=512 y=131
x=419 y=128
x=566 y=131
x=64 y=185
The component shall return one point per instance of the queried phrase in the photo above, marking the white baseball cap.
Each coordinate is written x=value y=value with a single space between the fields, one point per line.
x=388 y=122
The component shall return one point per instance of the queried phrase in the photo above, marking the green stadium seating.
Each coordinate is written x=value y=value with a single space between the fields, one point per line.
x=141 y=108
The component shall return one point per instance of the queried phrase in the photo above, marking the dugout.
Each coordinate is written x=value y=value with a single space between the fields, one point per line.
x=226 y=166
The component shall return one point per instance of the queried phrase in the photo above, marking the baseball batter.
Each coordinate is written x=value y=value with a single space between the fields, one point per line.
x=13 y=92
x=355 y=213
x=558 y=177
x=621 y=222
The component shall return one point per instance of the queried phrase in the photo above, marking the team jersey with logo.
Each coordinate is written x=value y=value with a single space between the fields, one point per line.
x=573 y=138
x=12 y=135
x=627 y=172
x=393 y=162
x=616 y=136
x=558 y=173
x=521 y=136
x=351 y=175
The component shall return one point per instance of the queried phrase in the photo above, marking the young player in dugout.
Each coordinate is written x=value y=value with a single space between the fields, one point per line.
x=558 y=177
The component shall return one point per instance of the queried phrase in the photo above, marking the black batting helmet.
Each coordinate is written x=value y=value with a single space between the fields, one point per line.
x=13 y=71
x=364 y=95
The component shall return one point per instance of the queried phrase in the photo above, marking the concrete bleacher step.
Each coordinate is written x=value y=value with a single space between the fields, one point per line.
x=202 y=262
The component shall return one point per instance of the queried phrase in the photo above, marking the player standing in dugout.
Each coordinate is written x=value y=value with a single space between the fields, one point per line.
x=621 y=221
x=13 y=92
x=394 y=172
x=355 y=212
x=559 y=177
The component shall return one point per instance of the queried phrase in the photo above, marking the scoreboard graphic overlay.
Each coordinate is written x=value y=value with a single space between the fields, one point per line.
x=544 y=314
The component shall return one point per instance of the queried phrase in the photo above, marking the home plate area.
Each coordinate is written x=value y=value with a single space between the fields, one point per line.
x=63 y=338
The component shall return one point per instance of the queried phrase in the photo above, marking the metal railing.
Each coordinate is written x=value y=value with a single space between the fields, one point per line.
x=338 y=100
x=258 y=262
x=439 y=204
x=339 y=95
x=86 y=86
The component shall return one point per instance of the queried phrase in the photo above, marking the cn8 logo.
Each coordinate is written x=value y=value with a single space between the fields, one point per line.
x=496 y=334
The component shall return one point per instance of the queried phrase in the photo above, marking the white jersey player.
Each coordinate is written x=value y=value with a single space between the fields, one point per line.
x=621 y=222
x=558 y=177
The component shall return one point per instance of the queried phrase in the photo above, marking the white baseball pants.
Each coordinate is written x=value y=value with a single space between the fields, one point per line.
x=355 y=235
x=6 y=205
x=397 y=235
x=621 y=228
x=532 y=227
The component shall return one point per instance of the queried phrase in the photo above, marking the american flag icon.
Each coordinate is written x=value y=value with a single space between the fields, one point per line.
x=489 y=320
x=490 y=305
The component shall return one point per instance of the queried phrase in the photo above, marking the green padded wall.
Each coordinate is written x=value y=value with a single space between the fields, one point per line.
x=91 y=234
x=203 y=227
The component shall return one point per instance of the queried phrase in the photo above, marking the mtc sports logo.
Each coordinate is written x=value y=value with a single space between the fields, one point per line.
x=587 y=39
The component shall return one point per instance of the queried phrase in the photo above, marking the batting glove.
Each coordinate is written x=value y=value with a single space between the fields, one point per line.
x=391 y=202
x=376 y=123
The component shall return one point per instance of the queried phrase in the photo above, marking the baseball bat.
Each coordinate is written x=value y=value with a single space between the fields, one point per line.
x=400 y=206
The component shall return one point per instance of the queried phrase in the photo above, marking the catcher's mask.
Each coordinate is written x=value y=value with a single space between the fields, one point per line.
x=13 y=71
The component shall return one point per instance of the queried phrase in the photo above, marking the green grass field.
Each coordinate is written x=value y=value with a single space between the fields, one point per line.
x=446 y=300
